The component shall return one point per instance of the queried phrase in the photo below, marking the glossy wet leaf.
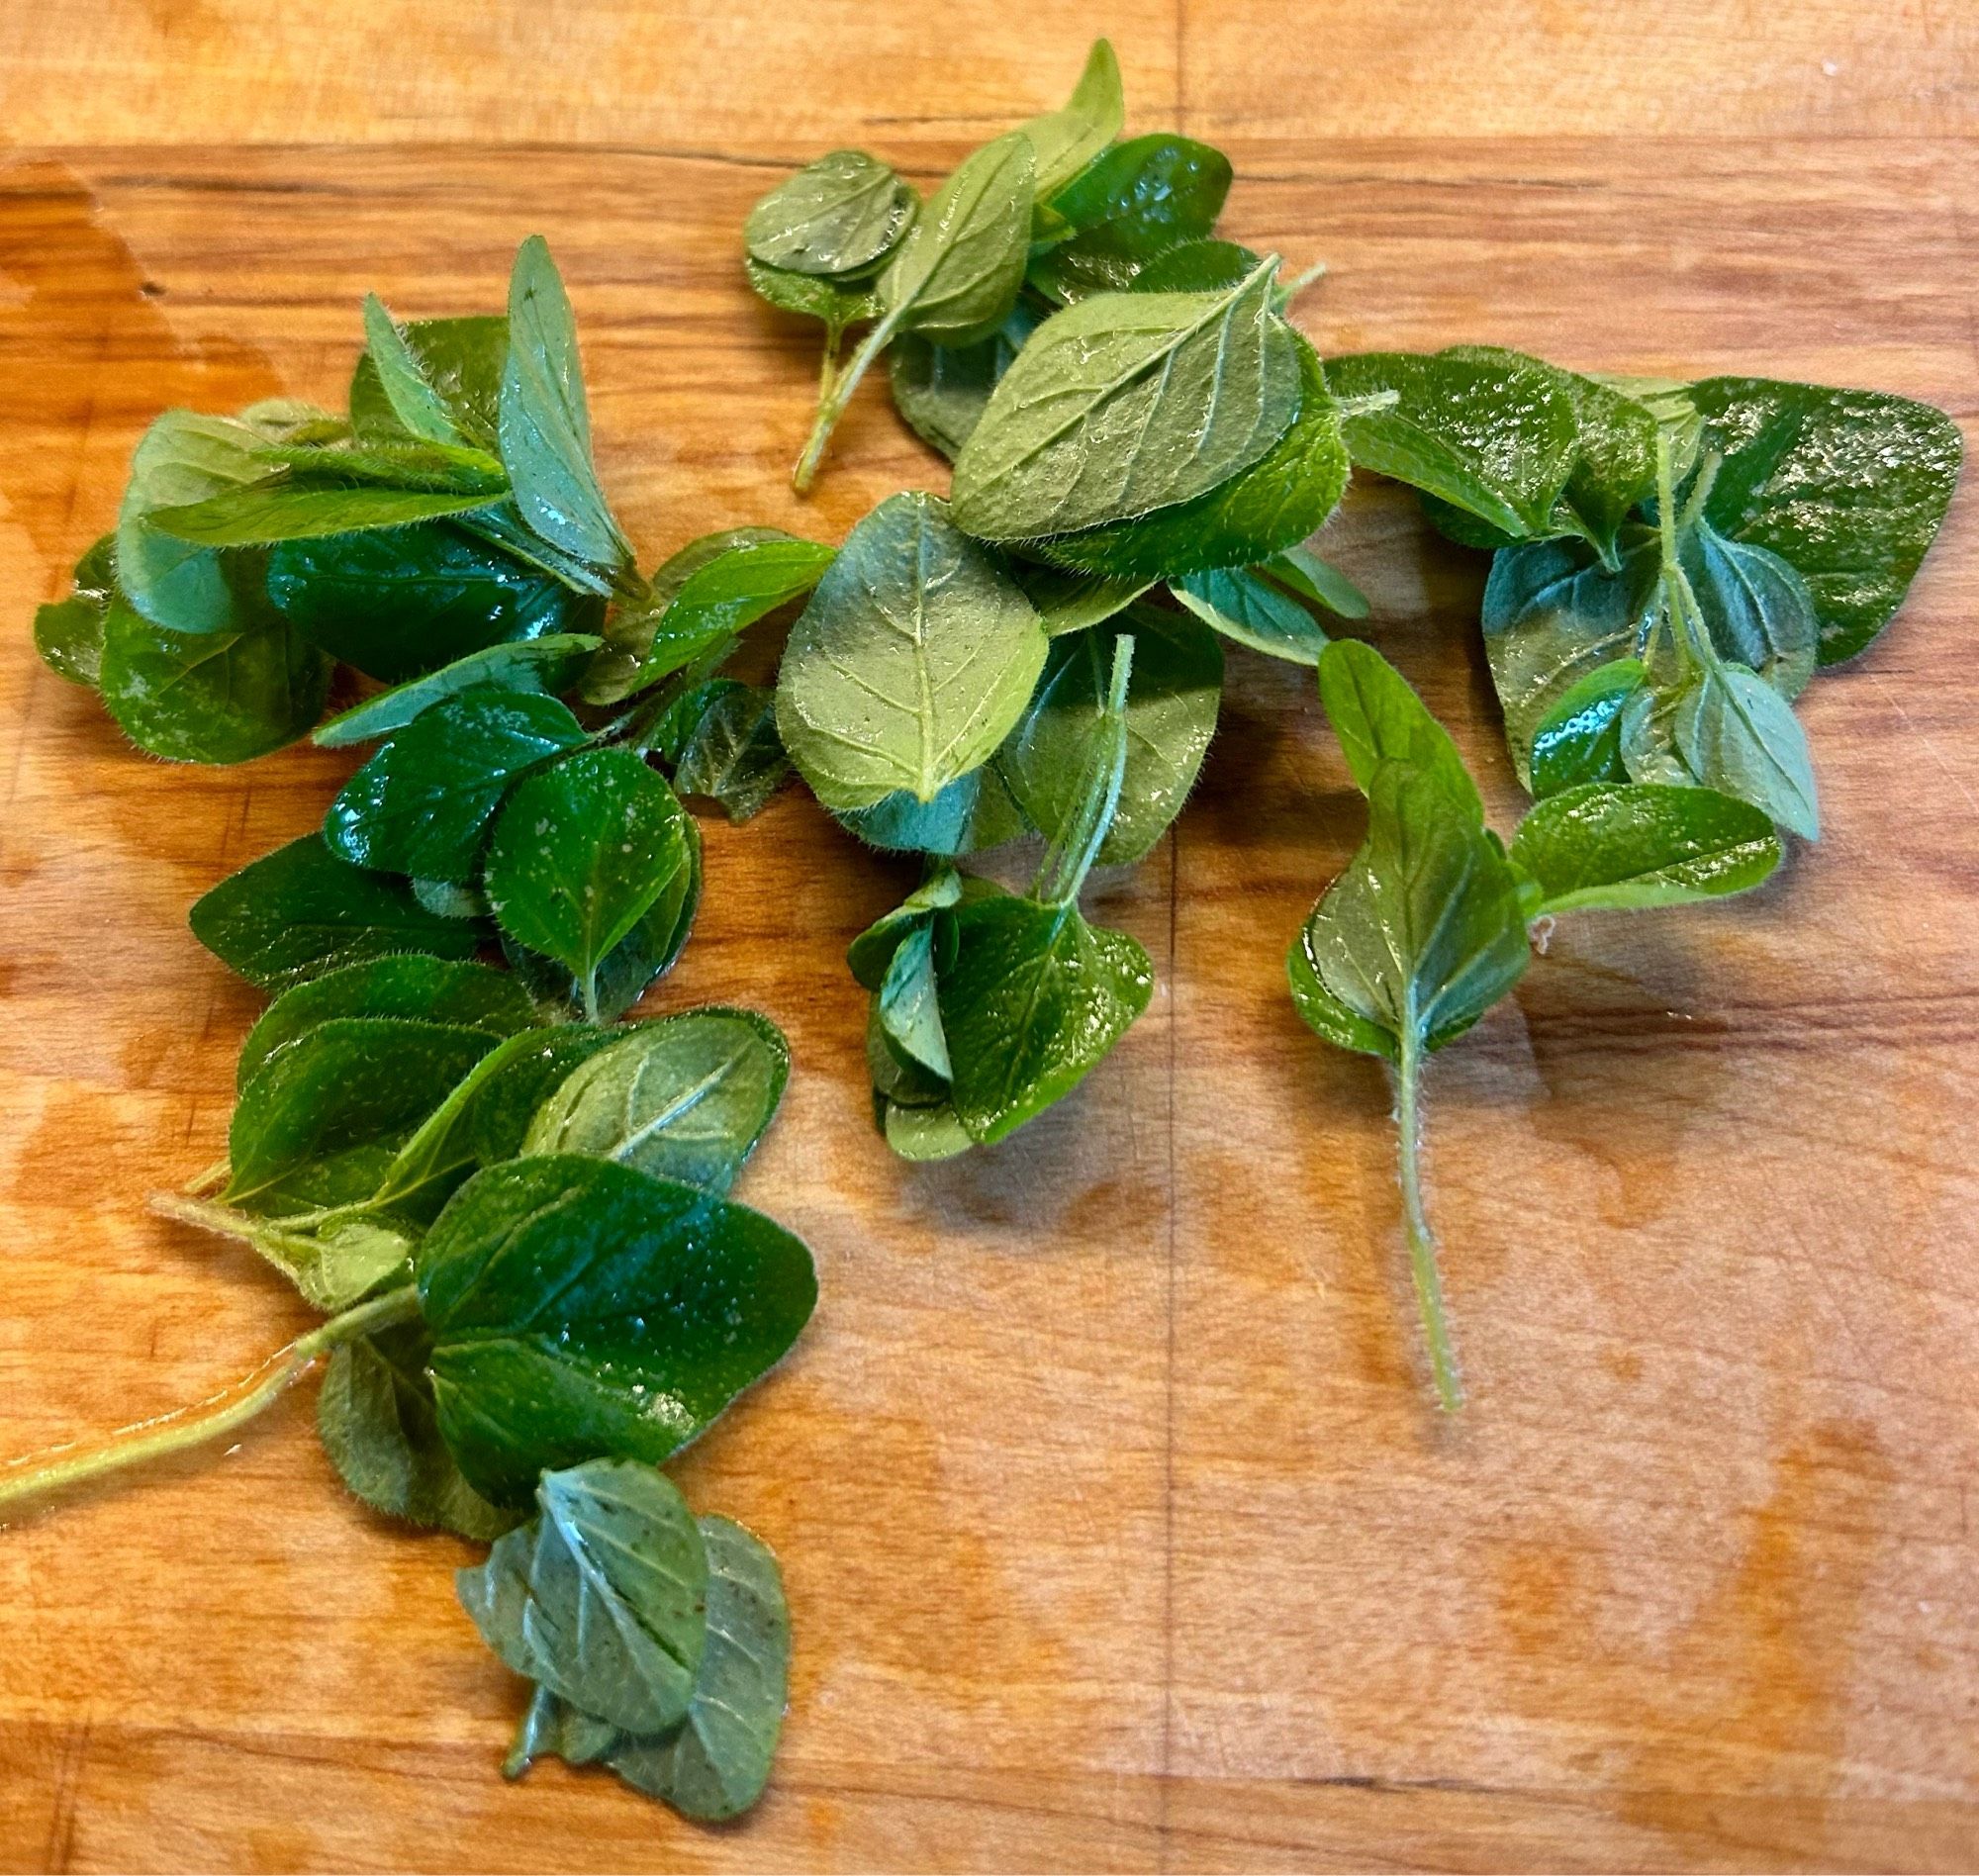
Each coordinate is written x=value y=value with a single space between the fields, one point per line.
x=686 y=1097
x=1064 y=141
x=602 y=1597
x=839 y=214
x=68 y=632
x=497 y=1119
x=955 y=275
x=418 y=989
x=1196 y=266
x=732 y=753
x=1756 y=606
x=1738 y=734
x=914 y=657
x=1381 y=720
x=301 y=912
x=376 y=1419
x=1494 y=435
x=1174 y=690
x=349 y=1083
x=402 y=603
x=1127 y=402
x=219 y=696
x=1847 y=487
x=540 y=666
x=839 y=303
x=1033 y=999
x=1244 y=606
x=1579 y=739
x=943 y=390
x=1276 y=503
x=278 y=511
x=582 y=1309
x=460 y=359
x=580 y=853
x=422 y=804
x=745 y=582
x=1623 y=846
x=545 y=421
x=1126 y=207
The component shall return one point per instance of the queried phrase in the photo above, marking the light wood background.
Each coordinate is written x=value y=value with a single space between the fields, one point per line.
x=1117 y=1532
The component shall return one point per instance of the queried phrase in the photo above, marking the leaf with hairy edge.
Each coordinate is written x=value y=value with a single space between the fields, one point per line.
x=1244 y=606
x=461 y=360
x=1609 y=846
x=1128 y=206
x=540 y=666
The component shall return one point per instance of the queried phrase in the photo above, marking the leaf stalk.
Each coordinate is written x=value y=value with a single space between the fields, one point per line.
x=1422 y=1240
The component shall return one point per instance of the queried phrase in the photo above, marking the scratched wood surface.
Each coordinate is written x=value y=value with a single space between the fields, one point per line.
x=1117 y=1533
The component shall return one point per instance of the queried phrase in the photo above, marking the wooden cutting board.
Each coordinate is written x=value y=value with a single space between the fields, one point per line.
x=1117 y=1530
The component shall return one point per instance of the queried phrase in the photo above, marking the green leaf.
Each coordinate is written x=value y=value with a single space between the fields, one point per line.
x=973 y=812
x=1276 y=503
x=1196 y=266
x=913 y=659
x=1494 y=435
x=1579 y=740
x=1381 y=720
x=1323 y=1012
x=1624 y=846
x=414 y=400
x=1847 y=487
x=422 y=804
x=583 y=1309
x=746 y=582
x=1072 y=601
x=907 y=1003
x=1032 y=1001
x=955 y=275
x=1127 y=208
x=1244 y=606
x=580 y=855
x=840 y=215
x=943 y=390
x=348 y=1082
x=546 y=423
x=1064 y=141
x=68 y=634
x=1127 y=402
x=1552 y=615
x=1172 y=692
x=423 y=989
x=733 y=754
x=1754 y=606
x=402 y=603
x=338 y=1262
x=375 y=1416
x=301 y=912
x=716 y=1764
x=220 y=697
x=837 y=302
x=538 y=666
x=1305 y=572
x=460 y=359
x=923 y=1133
x=406 y=464
x=687 y=1098
x=1738 y=735
x=283 y=510
x=602 y=1597
x=496 y=1118
x=185 y=459
x=872 y=951
x=630 y=631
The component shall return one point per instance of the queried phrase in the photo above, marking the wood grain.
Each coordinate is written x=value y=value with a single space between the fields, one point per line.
x=1118 y=1533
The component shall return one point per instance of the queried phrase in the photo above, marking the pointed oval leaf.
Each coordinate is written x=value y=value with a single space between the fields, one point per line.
x=839 y=214
x=955 y=276
x=544 y=666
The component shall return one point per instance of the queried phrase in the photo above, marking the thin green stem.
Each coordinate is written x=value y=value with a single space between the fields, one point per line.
x=1422 y=1240
x=1066 y=864
x=591 y=996
x=211 y=1180
x=831 y=403
x=207 y=1420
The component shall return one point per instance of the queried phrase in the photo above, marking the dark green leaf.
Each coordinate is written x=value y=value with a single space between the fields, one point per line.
x=422 y=804
x=1032 y=1001
x=1127 y=402
x=540 y=666
x=840 y=215
x=1197 y=266
x=301 y=912
x=1275 y=504
x=580 y=855
x=837 y=302
x=546 y=423
x=602 y=1597
x=1754 y=606
x=582 y=1309
x=1621 y=846
x=375 y=1415
x=219 y=696
x=1579 y=739
x=402 y=603
x=423 y=989
x=1172 y=692
x=1128 y=206
x=942 y=390
x=745 y=582
x=68 y=634
x=872 y=951
x=913 y=659
x=1847 y=487
x=1244 y=606
x=732 y=753
x=686 y=1097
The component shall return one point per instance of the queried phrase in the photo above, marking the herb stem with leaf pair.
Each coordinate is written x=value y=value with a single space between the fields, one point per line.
x=835 y=393
x=183 y=1428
